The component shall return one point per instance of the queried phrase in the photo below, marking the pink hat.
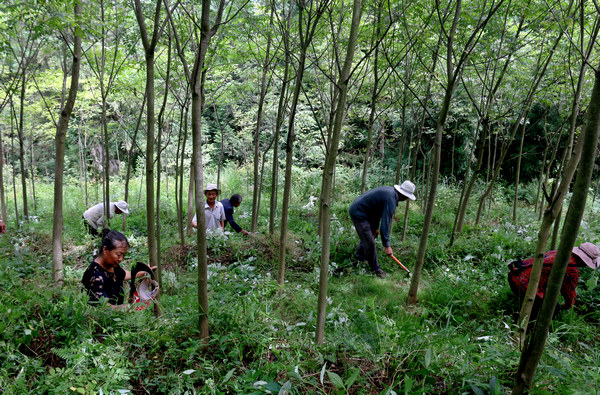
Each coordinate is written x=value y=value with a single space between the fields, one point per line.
x=588 y=253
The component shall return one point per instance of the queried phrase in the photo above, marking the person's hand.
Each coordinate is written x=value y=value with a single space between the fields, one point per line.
x=2 y=227
x=389 y=251
x=376 y=233
x=245 y=232
x=141 y=274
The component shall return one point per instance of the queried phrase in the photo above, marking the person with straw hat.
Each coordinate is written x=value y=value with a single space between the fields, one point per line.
x=95 y=221
x=214 y=213
x=371 y=208
x=518 y=278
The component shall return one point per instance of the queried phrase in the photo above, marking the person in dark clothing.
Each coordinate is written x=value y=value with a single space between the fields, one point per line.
x=371 y=208
x=104 y=277
x=228 y=205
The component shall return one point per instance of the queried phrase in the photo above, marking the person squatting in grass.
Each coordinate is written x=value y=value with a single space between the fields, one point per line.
x=2 y=227
x=104 y=277
x=367 y=210
x=94 y=220
x=228 y=207
x=518 y=277
x=214 y=213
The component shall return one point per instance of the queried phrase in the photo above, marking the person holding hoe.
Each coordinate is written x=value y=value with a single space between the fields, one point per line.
x=371 y=208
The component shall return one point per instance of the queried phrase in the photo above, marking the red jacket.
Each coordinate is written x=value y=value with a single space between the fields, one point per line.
x=520 y=278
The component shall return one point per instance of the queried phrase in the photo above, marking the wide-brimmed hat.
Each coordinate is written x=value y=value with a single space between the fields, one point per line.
x=212 y=187
x=122 y=206
x=407 y=189
x=588 y=252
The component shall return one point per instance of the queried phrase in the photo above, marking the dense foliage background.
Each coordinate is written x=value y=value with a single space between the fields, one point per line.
x=504 y=85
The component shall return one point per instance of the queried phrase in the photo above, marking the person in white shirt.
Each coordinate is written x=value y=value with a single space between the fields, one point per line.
x=95 y=221
x=214 y=214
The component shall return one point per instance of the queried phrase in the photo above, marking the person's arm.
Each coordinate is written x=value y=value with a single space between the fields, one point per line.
x=138 y=275
x=229 y=218
x=386 y=220
x=195 y=221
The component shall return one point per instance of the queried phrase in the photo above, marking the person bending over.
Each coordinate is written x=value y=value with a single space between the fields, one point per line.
x=95 y=221
x=228 y=206
x=520 y=271
x=371 y=208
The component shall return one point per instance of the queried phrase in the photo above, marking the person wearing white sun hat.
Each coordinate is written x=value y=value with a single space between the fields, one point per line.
x=371 y=208
x=94 y=220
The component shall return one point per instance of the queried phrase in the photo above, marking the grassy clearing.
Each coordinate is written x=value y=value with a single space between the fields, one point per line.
x=458 y=339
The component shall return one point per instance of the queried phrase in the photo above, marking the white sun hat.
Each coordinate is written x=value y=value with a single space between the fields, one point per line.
x=407 y=189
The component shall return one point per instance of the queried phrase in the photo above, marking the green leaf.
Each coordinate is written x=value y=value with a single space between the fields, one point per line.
x=336 y=379
x=427 y=357
x=352 y=378
x=591 y=283
x=493 y=386
x=477 y=390
x=285 y=389
x=228 y=375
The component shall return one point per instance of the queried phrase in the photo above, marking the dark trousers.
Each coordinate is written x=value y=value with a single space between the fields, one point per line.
x=367 y=250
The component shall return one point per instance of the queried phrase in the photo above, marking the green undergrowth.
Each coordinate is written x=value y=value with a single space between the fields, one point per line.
x=457 y=339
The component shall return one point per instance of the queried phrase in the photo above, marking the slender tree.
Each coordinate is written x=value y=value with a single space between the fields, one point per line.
x=453 y=73
x=312 y=11
x=328 y=171
x=61 y=131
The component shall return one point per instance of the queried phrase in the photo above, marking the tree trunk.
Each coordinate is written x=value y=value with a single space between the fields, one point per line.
x=373 y=104
x=453 y=73
x=259 y=115
x=305 y=40
x=532 y=354
x=61 y=131
x=328 y=172
x=197 y=82
x=149 y=51
x=520 y=156
x=278 y=123
x=22 y=146
x=3 y=212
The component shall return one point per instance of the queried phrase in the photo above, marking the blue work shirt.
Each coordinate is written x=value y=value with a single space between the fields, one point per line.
x=378 y=204
x=228 y=207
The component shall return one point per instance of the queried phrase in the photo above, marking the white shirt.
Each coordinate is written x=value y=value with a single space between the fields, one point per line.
x=95 y=215
x=212 y=217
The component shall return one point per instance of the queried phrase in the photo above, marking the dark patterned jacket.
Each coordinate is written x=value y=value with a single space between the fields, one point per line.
x=102 y=284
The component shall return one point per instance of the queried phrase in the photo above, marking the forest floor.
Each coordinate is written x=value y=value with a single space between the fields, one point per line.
x=459 y=338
